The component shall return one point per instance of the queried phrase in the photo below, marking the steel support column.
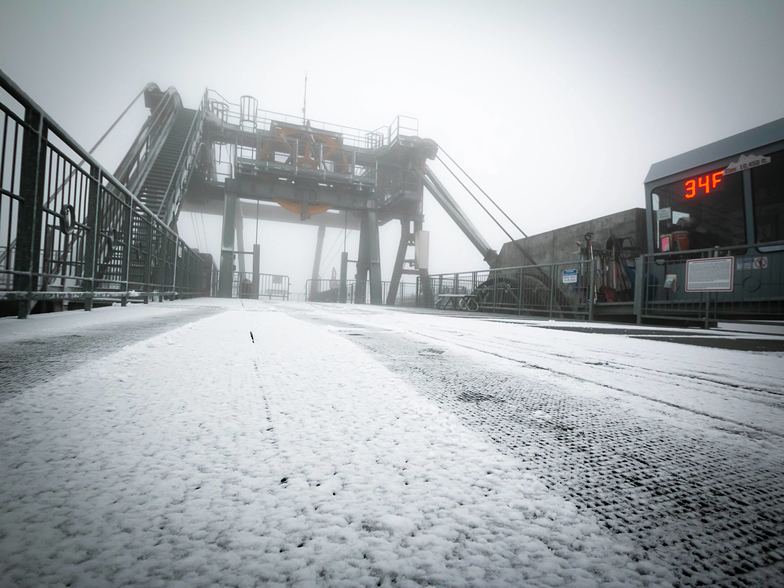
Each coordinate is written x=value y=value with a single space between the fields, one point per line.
x=256 y=269
x=374 y=255
x=314 y=276
x=343 y=292
x=227 y=246
x=400 y=259
x=363 y=263
x=238 y=230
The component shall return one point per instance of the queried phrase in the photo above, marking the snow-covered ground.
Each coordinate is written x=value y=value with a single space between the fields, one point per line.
x=357 y=446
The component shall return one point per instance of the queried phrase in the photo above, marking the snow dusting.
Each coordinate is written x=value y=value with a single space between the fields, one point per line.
x=285 y=444
x=199 y=458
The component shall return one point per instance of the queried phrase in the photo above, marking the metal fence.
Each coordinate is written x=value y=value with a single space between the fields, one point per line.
x=270 y=286
x=69 y=230
x=551 y=290
x=408 y=293
x=754 y=288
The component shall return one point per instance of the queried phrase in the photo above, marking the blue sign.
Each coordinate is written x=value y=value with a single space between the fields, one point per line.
x=569 y=276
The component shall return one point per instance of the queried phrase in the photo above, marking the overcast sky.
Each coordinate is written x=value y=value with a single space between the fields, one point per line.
x=556 y=108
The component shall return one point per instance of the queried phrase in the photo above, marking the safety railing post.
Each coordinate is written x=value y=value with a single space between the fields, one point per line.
x=591 y=268
x=639 y=287
x=174 y=277
x=551 y=292
x=91 y=243
x=30 y=211
x=147 y=256
x=520 y=291
x=707 y=310
x=127 y=257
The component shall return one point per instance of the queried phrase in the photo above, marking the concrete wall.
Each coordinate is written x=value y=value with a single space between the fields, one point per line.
x=561 y=244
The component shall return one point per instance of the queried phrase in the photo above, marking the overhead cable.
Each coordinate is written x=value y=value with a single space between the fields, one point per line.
x=482 y=191
x=482 y=206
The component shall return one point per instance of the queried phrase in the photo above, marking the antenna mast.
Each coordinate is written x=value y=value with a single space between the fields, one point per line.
x=305 y=102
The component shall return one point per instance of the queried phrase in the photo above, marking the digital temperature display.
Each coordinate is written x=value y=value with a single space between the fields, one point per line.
x=702 y=185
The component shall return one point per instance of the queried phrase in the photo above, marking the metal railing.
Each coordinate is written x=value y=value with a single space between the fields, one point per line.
x=401 y=126
x=317 y=167
x=270 y=286
x=329 y=291
x=551 y=290
x=755 y=287
x=257 y=119
x=66 y=222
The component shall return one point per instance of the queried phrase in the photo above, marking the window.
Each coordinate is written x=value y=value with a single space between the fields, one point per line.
x=767 y=187
x=699 y=212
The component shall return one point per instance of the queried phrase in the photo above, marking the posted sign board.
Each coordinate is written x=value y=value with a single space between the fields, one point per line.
x=569 y=276
x=713 y=274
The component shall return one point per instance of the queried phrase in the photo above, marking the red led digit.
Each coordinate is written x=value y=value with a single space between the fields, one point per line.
x=691 y=189
x=716 y=178
x=704 y=183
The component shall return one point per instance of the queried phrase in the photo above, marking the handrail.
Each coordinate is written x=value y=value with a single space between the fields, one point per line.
x=18 y=94
x=76 y=166
x=159 y=122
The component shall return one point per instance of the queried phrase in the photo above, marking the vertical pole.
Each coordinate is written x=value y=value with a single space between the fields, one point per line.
x=748 y=204
x=552 y=291
x=363 y=263
x=238 y=229
x=176 y=257
x=639 y=289
x=30 y=211
x=591 y=268
x=146 y=231
x=427 y=287
x=227 y=247
x=256 y=269
x=91 y=243
x=376 y=292
x=520 y=293
x=708 y=295
x=314 y=276
x=495 y=288
x=126 y=269
x=343 y=293
x=706 y=324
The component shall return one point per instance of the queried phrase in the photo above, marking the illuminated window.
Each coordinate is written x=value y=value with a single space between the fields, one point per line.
x=699 y=212
x=767 y=184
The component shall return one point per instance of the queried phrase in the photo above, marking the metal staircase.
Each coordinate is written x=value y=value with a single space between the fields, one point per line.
x=156 y=186
x=163 y=169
